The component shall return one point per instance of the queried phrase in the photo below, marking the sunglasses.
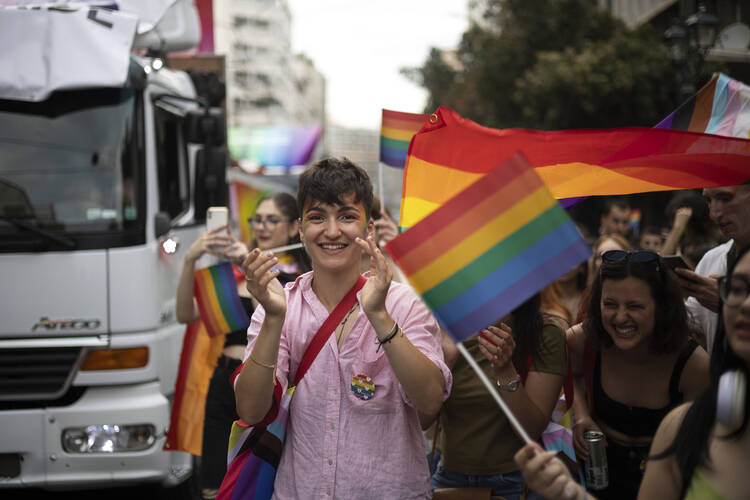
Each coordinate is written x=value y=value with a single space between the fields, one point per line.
x=639 y=256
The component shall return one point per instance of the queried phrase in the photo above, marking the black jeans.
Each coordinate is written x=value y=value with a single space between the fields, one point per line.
x=221 y=411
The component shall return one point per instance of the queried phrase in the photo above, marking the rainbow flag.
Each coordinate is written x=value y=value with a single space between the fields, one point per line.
x=243 y=201
x=720 y=107
x=449 y=153
x=635 y=221
x=274 y=145
x=215 y=290
x=197 y=363
x=489 y=248
x=396 y=131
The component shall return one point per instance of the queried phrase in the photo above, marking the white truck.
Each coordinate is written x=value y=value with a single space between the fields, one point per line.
x=107 y=164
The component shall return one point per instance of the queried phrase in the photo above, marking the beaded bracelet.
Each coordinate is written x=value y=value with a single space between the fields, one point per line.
x=388 y=337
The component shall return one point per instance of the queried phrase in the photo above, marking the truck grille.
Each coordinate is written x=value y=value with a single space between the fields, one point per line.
x=37 y=373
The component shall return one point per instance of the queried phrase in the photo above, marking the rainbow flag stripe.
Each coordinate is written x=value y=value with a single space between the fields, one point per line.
x=449 y=153
x=396 y=131
x=243 y=201
x=215 y=290
x=489 y=248
x=720 y=107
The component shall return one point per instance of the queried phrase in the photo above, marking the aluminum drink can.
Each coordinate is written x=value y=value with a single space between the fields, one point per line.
x=597 y=472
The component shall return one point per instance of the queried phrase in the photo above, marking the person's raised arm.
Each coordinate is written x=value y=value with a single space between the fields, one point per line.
x=681 y=218
x=420 y=378
x=576 y=339
x=186 y=309
x=255 y=383
x=532 y=402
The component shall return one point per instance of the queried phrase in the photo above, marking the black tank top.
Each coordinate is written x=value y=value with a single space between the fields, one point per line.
x=636 y=421
x=239 y=337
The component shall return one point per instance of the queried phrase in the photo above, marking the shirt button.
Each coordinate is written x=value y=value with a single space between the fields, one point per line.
x=332 y=426
x=330 y=462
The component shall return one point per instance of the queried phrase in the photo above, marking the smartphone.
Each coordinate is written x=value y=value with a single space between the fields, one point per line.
x=675 y=261
x=216 y=217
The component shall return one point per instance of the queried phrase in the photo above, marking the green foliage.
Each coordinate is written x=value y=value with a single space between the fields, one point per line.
x=553 y=64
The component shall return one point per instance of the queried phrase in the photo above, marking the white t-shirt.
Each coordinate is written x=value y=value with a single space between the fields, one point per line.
x=713 y=262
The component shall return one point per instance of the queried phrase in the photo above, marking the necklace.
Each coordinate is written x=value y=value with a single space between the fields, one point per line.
x=342 y=325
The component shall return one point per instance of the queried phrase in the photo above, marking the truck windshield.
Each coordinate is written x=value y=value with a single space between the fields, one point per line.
x=71 y=167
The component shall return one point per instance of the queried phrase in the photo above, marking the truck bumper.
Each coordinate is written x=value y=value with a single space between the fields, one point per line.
x=35 y=436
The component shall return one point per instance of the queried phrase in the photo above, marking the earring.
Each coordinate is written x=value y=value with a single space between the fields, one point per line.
x=730 y=399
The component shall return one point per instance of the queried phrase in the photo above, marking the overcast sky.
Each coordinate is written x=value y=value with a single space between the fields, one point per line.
x=360 y=45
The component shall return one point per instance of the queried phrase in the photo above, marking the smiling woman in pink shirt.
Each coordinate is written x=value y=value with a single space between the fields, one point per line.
x=354 y=427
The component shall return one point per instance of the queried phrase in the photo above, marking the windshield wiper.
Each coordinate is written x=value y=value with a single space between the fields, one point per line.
x=20 y=223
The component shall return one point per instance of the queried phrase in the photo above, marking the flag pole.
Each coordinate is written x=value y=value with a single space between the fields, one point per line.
x=493 y=392
x=380 y=186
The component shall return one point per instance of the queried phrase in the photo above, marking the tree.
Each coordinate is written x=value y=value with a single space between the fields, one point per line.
x=552 y=64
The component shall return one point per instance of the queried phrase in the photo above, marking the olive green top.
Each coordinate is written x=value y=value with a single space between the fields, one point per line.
x=475 y=436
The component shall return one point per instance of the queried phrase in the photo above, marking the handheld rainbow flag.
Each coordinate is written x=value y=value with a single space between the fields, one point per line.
x=721 y=107
x=449 y=153
x=489 y=248
x=215 y=290
x=396 y=131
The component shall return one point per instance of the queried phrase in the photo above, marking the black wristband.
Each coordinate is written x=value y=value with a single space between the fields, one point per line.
x=388 y=337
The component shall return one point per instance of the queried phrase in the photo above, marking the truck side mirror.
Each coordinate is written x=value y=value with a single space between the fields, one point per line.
x=210 y=181
x=203 y=128
x=162 y=224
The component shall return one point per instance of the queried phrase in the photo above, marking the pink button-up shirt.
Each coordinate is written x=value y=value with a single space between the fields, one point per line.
x=337 y=445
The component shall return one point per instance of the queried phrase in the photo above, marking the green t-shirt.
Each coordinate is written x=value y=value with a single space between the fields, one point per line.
x=475 y=436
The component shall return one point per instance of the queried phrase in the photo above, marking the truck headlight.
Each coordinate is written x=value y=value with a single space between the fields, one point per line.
x=108 y=438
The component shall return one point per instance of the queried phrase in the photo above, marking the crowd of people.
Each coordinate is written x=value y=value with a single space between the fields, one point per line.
x=644 y=342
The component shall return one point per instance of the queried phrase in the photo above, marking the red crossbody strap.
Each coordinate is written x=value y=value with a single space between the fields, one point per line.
x=327 y=328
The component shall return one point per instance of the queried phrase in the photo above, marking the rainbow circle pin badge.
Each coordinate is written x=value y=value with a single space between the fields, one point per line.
x=363 y=387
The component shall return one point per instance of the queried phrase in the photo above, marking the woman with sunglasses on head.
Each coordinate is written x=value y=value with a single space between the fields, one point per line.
x=633 y=362
x=275 y=224
x=701 y=449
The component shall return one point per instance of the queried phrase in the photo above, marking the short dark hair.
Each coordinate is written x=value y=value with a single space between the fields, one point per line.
x=330 y=179
x=671 y=328
x=621 y=203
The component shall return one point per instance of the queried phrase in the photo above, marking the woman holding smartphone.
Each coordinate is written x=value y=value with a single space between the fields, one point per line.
x=275 y=224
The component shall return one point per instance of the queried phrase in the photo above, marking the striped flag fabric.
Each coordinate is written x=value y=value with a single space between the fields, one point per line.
x=396 y=131
x=215 y=290
x=243 y=202
x=449 y=153
x=489 y=248
x=720 y=107
x=197 y=362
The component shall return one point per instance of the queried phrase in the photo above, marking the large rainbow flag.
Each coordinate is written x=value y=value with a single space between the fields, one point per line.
x=449 y=153
x=721 y=107
x=489 y=248
x=197 y=363
x=215 y=290
x=396 y=131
